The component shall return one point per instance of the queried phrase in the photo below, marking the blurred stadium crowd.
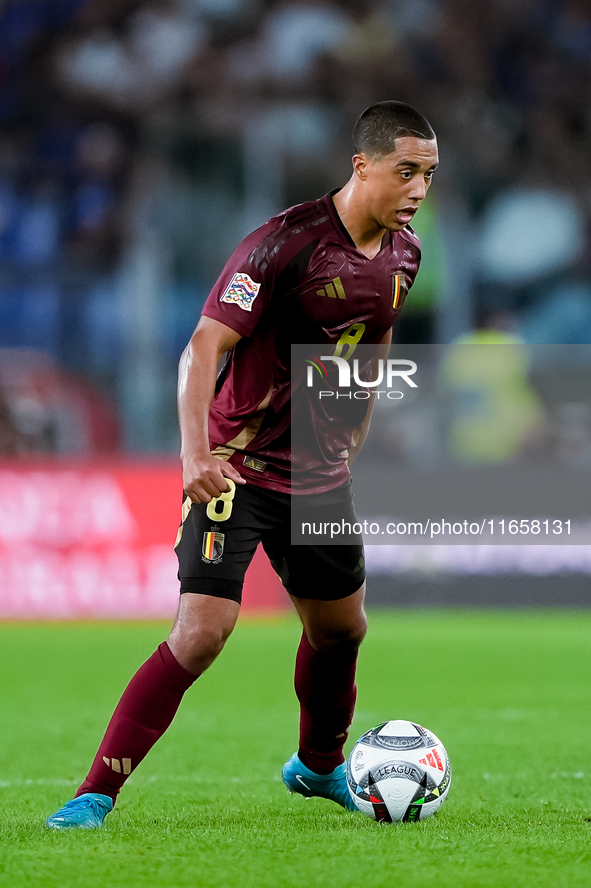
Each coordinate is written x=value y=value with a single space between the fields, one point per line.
x=141 y=139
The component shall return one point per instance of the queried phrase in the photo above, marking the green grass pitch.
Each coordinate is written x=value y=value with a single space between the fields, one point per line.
x=507 y=692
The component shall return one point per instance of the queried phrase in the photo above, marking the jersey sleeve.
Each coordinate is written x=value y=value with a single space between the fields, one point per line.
x=245 y=287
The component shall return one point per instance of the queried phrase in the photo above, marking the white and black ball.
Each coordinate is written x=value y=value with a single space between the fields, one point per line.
x=398 y=771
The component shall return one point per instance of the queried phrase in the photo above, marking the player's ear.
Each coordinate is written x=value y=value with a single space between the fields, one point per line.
x=360 y=165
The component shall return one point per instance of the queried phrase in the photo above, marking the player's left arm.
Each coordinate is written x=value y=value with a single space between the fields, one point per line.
x=360 y=433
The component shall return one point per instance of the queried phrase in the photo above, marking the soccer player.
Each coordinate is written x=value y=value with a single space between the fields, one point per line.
x=333 y=271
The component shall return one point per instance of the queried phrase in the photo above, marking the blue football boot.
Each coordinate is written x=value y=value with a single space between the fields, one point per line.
x=88 y=811
x=298 y=778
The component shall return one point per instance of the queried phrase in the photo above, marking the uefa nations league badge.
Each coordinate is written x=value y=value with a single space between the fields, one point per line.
x=213 y=546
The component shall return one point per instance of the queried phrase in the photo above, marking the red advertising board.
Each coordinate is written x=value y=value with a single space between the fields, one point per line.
x=95 y=540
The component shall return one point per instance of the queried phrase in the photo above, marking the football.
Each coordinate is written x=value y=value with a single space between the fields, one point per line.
x=398 y=771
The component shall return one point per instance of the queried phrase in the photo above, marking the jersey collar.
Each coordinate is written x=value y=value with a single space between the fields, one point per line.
x=338 y=222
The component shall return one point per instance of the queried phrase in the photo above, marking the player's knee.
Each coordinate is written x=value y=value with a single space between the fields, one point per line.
x=196 y=647
x=344 y=637
x=354 y=635
x=208 y=640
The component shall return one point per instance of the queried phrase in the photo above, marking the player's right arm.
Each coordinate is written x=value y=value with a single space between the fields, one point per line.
x=204 y=476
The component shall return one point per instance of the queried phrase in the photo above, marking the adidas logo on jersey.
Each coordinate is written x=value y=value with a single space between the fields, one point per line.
x=332 y=290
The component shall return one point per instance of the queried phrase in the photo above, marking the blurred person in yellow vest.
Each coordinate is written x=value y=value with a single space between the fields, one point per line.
x=494 y=410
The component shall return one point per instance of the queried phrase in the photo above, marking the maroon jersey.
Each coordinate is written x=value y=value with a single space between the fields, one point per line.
x=297 y=279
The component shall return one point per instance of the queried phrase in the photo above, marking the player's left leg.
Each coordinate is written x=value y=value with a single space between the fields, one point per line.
x=325 y=687
x=326 y=584
x=325 y=676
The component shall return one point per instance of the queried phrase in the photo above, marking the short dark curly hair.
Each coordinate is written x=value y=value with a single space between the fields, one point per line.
x=379 y=126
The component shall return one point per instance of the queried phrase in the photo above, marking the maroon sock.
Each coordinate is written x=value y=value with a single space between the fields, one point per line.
x=325 y=687
x=143 y=714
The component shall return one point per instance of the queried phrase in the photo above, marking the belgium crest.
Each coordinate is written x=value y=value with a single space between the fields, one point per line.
x=399 y=290
x=213 y=546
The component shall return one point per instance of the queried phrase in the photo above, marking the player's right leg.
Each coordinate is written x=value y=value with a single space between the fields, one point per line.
x=212 y=563
x=148 y=706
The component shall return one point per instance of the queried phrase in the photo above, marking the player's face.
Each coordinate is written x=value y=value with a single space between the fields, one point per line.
x=396 y=184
